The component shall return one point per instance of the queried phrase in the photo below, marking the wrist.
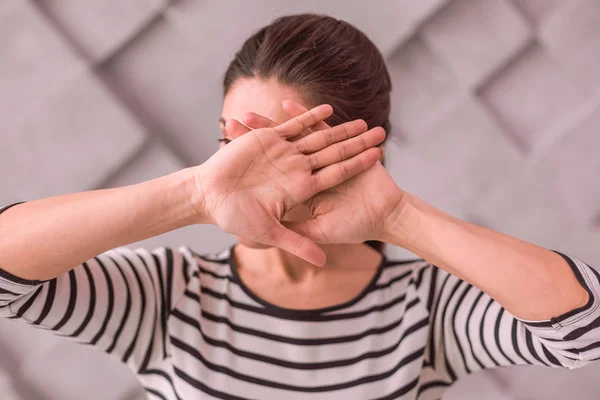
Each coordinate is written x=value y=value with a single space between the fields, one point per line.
x=416 y=226
x=406 y=220
x=191 y=196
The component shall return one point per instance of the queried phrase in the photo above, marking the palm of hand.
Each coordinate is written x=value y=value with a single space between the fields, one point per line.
x=355 y=211
x=262 y=178
x=247 y=186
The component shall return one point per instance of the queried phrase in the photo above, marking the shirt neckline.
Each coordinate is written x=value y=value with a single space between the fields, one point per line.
x=292 y=312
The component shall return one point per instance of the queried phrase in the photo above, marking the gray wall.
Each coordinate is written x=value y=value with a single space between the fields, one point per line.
x=496 y=110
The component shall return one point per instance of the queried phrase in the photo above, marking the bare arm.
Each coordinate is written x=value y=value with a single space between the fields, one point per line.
x=45 y=238
x=244 y=188
x=120 y=300
x=532 y=283
x=554 y=299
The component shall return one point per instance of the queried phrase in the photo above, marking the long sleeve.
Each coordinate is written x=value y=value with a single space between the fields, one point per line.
x=118 y=301
x=469 y=331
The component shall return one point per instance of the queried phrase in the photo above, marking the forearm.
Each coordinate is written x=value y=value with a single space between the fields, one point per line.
x=532 y=283
x=43 y=239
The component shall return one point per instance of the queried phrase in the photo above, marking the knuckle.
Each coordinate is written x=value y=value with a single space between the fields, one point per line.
x=327 y=138
x=347 y=132
x=313 y=161
x=313 y=116
x=343 y=171
x=301 y=145
x=363 y=144
x=303 y=124
x=317 y=183
x=342 y=152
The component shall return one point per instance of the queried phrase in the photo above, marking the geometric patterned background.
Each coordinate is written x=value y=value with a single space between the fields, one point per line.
x=495 y=114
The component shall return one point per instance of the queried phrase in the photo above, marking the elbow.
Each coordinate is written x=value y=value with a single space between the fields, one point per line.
x=578 y=358
x=583 y=361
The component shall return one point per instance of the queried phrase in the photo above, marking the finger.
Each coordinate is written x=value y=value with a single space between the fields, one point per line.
x=235 y=128
x=309 y=229
x=297 y=125
x=335 y=174
x=257 y=121
x=319 y=140
x=347 y=149
x=295 y=109
x=298 y=245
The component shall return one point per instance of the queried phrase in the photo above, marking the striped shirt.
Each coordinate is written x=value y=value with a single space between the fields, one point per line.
x=190 y=328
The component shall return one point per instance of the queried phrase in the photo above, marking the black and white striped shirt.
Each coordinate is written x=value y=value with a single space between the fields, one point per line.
x=190 y=329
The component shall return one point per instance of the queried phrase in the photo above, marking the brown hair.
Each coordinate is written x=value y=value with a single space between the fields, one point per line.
x=327 y=60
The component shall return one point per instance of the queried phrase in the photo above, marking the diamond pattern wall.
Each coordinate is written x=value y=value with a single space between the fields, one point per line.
x=496 y=109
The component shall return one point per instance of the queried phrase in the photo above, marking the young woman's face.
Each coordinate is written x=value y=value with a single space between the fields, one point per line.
x=263 y=97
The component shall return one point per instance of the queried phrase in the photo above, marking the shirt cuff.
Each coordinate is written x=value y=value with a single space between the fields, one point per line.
x=6 y=278
x=580 y=317
x=2 y=209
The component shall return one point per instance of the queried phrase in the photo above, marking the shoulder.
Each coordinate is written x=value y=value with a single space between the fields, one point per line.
x=414 y=266
x=419 y=272
x=182 y=257
x=217 y=263
x=405 y=270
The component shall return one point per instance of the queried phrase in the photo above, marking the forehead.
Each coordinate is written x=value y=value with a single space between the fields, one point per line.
x=263 y=97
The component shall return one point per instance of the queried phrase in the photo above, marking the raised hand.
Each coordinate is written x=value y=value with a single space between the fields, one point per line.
x=355 y=211
x=248 y=185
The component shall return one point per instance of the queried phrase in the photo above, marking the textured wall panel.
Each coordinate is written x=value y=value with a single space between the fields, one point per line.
x=40 y=344
x=525 y=207
x=174 y=82
x=69 y=144
x=154 y=162
x=38 y=367
x=475 y=37
x=423 y=87
x=576 y=45
x=34 y=61
x=458 y=161
x=583 y=243
x=531 y=95
x=99 y=27
x=478 y=386
x=536 y=10
x=387 y=22
x=526 y=383
x=8 y=6
x=496 y=108
x=8 y=391
x=69 y=371
x=574 y=165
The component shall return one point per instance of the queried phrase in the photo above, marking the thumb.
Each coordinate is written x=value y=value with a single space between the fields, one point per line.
x=298 y=245
x=295 y=109
x=257 y=121
x=235 y=129
x=309 y=229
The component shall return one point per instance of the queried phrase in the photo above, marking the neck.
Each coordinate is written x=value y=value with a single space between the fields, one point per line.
x=276 y=262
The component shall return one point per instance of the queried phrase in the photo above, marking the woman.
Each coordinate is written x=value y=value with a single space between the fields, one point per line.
x=263 y=320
